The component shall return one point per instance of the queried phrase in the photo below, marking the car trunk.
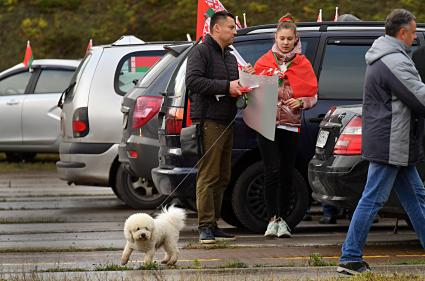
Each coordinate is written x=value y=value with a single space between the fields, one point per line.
x=331 y=128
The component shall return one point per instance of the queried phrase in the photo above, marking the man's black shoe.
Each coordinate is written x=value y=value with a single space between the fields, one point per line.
x=220 y=235
x=327 y=220
x=353 y=268
x=206 y=235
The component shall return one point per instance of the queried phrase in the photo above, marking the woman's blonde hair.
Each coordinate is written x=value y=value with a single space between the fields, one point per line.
x=287 y=22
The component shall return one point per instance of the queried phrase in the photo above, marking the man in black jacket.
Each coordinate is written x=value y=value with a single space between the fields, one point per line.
x=212 y=78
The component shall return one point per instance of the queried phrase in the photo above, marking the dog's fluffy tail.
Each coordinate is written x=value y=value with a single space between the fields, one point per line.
x=173 y=215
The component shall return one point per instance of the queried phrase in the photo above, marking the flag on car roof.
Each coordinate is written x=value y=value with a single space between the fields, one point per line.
x=319 y=17
x=28 y=58
x=336 y=14
x=89 y=46
x=206 y=8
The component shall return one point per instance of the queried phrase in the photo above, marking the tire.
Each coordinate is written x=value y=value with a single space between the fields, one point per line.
x=228 y=215
x=14 y=157
x=248 y=199
x=135 y=192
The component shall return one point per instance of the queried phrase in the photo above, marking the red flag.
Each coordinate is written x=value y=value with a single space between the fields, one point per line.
x=89 y=46
x=206 y=8
x=336 y=14
x=319 y=17
x=28 y=59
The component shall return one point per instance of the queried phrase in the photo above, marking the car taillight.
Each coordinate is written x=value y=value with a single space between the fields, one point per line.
x=80 y=122
x=350 y=140
x=174 y=121
x=146 y=107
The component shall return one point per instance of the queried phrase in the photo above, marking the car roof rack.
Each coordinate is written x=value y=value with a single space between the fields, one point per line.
x=319 y=26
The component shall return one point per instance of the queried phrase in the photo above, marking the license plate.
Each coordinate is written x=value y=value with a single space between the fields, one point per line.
x=322 y=138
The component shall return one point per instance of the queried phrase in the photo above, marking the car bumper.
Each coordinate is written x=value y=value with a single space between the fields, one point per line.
x=180 y=182
x=87 y=163
x=147 y=155
x=338 y=181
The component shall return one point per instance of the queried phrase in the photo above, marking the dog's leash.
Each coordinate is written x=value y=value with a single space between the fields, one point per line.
x=161 y=206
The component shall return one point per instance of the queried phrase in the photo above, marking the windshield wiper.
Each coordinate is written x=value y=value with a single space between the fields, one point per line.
x=64 y=93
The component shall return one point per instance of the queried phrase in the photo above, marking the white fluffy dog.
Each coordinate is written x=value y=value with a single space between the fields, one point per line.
x=147 y=234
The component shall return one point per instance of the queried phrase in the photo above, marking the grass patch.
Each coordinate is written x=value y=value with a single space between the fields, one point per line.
x=411 y=262
x=149 y=266
x=316 y=259
x=234 y=264
x=218 y=245
x=42 y=162
x=26 y=221
x=111 y=267
x=59 y=250
x=369 y=276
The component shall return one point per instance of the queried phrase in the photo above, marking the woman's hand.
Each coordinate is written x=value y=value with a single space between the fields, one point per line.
x=249 y=69
x=293 y=103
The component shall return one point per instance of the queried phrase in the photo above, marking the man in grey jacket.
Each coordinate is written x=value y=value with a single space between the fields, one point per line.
x=393 y=128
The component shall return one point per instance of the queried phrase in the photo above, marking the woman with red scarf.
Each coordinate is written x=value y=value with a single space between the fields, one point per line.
x=297 y=91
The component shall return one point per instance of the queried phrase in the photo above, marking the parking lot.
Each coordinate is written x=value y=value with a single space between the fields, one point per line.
x=48 y=228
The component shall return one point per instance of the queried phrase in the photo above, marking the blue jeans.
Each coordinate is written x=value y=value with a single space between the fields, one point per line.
x=381 y=178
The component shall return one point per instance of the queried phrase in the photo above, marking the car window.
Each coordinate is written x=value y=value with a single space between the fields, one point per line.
x=343 y=69
x=77 y=76
x=156 y=70
x=252 y=50
x=180 y=85
x=15 y=84
x=53 y=81
x=342 y=72
x=133 y=67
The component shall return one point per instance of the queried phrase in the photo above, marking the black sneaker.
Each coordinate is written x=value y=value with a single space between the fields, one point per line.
x=327 y=220
x=353 y=268
x=220 y=235
x=206 y=235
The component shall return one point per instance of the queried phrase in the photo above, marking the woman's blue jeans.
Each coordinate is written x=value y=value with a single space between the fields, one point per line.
x=381 y=178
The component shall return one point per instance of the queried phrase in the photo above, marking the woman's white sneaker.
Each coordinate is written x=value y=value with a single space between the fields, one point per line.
x=272 y=229
x=283 y=230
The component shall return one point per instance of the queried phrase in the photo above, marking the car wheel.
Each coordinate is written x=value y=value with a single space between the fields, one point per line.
x=248 y=199
x=228 y=215
x=136 y=192
x=14 y=157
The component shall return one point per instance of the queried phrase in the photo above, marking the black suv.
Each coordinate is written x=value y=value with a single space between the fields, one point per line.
x=336 y=51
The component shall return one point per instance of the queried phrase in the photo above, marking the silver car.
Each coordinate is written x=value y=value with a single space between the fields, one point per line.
x=29 y=116
x=92 y=119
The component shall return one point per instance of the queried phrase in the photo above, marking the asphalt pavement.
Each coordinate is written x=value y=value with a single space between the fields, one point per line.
x=51 y=229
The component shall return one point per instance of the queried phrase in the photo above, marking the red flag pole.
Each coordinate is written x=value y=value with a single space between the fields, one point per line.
x=89 y=46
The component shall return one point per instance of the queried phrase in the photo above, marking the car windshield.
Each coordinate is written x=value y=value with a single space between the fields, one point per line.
x=159 y=67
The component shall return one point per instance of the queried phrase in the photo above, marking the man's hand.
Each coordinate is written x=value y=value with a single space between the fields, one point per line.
x=248 y=69
x=235 y=89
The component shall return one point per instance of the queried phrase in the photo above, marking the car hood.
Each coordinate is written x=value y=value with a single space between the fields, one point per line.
x=383 y=46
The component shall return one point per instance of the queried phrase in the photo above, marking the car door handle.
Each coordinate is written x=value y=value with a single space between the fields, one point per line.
x=12 y=102
x=317 y=119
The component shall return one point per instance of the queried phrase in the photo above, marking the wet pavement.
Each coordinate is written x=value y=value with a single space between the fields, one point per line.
x=46 y=225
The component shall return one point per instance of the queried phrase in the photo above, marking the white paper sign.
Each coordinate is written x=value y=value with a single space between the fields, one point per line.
x=260 y=114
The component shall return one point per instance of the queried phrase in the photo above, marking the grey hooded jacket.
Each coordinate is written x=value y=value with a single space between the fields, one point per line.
x=393 y=105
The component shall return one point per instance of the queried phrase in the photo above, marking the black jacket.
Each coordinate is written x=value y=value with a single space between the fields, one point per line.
x=209 y=72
